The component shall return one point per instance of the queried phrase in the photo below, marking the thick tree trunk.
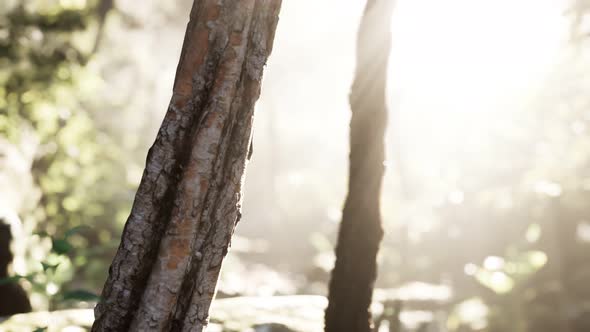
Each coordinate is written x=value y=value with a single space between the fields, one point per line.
x=354 y=274
x=164 y=275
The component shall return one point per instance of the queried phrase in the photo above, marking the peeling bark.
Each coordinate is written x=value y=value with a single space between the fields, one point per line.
x=355 y=271
x=164 y=275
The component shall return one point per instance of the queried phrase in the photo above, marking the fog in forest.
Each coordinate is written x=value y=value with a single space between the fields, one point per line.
x=484 y=200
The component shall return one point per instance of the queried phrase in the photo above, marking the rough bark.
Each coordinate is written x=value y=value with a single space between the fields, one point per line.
x=164 y=275
x=360 y=234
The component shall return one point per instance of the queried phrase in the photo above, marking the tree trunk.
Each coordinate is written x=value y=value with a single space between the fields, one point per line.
x=164 y=275
x=354 y=274
x=14 y=299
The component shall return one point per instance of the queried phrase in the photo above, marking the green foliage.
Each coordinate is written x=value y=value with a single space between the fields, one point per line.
x=13 y=279
x=79 y=295
x=48 y=278
x=46 y=92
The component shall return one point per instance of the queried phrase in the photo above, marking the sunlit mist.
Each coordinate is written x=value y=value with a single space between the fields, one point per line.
x=462 y=69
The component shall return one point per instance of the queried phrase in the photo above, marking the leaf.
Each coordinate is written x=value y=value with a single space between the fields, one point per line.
x=42 y=234
x=61 y=247
x=49 y=267
x=40 y=329
x=30 y=278
x=74 y=230
x=10 y=280
x=80 y=295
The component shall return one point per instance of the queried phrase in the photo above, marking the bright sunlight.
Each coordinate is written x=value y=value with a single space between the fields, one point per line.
x=459 y=67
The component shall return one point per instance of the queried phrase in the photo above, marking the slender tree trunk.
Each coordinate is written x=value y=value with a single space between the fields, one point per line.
x=164 y=275
x=13 y=299
x=354 y=274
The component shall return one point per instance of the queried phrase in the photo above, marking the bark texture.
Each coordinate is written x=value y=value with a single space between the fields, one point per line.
x=353 y=277
x=164 y=275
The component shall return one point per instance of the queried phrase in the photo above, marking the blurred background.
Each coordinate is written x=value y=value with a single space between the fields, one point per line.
x=485 y=200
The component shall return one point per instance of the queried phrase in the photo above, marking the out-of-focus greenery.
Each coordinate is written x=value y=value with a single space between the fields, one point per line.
x=47 y=107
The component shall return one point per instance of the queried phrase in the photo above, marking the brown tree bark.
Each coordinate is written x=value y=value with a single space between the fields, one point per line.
x=355 y=271
x=164 y=275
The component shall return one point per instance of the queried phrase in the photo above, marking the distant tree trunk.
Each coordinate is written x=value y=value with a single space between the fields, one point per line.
x=13 y=299
x=164 y=275
x=360 y=234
